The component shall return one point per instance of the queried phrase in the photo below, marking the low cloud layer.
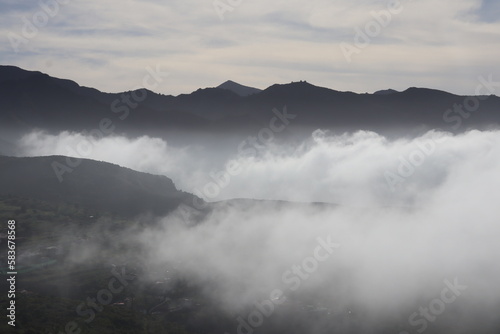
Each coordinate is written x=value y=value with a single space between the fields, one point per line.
x=383 y=266
x=360 y=169
x=415 y=231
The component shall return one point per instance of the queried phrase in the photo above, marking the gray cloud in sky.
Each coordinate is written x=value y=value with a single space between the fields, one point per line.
x=108 y=44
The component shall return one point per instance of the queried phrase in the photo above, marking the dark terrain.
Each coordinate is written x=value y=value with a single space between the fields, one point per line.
x=36 y=100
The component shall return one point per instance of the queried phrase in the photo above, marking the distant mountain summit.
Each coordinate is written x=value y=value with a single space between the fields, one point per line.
x=385 y=92
x=239 y=89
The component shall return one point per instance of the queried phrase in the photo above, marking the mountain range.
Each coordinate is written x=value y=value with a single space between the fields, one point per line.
x=36 y=100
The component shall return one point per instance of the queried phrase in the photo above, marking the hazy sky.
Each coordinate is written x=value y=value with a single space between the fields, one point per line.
x=443 y=44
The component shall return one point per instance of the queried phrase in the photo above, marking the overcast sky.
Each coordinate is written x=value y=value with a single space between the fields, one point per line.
x=442 y=44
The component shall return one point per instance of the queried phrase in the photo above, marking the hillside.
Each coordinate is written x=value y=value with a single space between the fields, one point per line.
x=97 y=186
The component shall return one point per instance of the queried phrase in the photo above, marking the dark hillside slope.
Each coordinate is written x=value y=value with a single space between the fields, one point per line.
x=98 y=186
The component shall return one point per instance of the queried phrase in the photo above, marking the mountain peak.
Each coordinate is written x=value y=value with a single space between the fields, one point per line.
x=238 y=88
x=298 y=88
x=229 y=82
x=385 y=92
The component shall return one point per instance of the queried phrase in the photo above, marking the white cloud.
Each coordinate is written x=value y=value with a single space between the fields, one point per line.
x=360 y=169
x=390 y=260
x=396 y=248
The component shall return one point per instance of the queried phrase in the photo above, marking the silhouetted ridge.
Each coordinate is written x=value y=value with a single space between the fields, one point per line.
x=98 y=186
x=238 y=88
x=36 y=100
